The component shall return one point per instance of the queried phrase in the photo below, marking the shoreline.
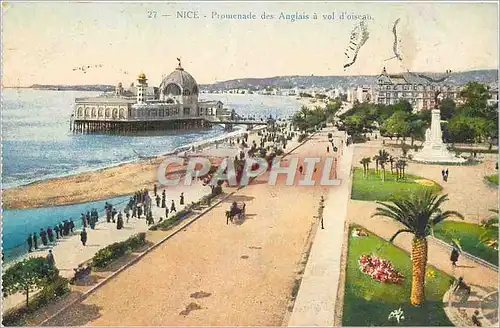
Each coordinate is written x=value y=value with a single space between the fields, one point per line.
x=125 y=179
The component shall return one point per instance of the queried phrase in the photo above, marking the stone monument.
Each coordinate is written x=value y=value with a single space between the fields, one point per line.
x=434 y=149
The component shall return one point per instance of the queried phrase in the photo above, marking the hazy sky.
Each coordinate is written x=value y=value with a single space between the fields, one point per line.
x=43 y=42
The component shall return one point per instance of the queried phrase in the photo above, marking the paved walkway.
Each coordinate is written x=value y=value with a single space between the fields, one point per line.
x=69 y=252
x=213 y=273
x=316 y=299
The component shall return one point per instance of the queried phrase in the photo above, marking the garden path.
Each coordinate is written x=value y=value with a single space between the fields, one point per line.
x=476 y=275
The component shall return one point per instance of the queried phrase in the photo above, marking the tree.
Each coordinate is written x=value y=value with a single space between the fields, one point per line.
x=383 y=157
x=376 y=159
x=400 y=166
x=476 y=95
x=398 y=124
x=419 y=214
x=447 y=108
x=365 y=162
x=28 y=276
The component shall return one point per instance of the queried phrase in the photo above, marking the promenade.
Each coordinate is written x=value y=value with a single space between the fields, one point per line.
x=217 y=274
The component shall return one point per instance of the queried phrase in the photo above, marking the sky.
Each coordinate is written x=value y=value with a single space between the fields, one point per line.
x=43 y=42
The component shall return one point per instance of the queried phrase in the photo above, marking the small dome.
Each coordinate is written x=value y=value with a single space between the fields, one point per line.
x=142 y=76
x=179 y=81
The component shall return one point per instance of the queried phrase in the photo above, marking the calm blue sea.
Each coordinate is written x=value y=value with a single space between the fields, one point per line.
x=37 y=144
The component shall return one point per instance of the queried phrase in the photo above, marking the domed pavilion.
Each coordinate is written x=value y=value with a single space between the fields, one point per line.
x=173 y=105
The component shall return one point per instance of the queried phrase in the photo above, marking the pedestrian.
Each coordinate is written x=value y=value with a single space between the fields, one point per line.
x=454 y=256
x=61 y=229
x=113 y=213
x=475 y=319
x=172 y=207
x=84 y=220
x=158 y=200
x=154 y=189
x=166 y=212
x=182 y=199
x=327 y=149
x=127 y=212
x=301 y=169
x=134 y=211
x=56 y=229
x=50 y=259
x=83 y=237
x=50 y=234
x=163 y=201
x=71 y=225
x=43 y=237
x=119 y=221
x=139 y=211
x=443 y=173
x=108 y=214
x=29 y=240
x=35 y=240
x=447 y=174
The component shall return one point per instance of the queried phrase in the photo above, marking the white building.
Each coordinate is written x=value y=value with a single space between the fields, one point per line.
x=174 y=104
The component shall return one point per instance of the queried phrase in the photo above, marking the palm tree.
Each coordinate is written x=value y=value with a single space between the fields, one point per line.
x=490 y=235
x=365 y=161
x=392 y=160
x=375 y=158
x=383 y=157
x=401 y=164
x=419 y=214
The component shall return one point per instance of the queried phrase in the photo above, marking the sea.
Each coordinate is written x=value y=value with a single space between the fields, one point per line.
x=37 y=144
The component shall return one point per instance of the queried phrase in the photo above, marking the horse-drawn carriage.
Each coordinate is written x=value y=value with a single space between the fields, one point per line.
x=237 y=210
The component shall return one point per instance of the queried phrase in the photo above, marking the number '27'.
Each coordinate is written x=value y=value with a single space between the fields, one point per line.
x=151 y=14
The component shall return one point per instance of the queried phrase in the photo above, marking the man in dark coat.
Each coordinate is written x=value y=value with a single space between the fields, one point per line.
x=158 y=200
x=454 y=256
x=50 y=234
x=113 y=213
x=71 y=225
x=182 y=199
x=35 y=240
x=43 y=237
x=61 y=229
x=56 y=229
x=154 y=189
x=83 y=237
x=172 y=207
x=29 y=240
x=84 y=220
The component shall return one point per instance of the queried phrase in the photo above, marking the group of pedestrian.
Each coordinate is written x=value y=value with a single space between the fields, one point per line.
x=50 y=236
x=90 y=219
x=444 y=174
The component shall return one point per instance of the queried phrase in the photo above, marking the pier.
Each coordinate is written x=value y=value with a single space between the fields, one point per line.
x=95 y=126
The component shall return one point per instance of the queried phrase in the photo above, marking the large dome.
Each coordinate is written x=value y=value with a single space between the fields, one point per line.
x=179 y=81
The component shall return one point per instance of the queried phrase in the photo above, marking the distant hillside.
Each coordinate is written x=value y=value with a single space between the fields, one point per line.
x=285 y=82
x=89 y=87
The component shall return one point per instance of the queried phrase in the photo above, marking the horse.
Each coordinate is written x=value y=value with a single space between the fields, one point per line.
x=235 y=211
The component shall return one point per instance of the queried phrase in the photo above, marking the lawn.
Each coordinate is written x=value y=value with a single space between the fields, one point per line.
x=368 y=302
x=468 y=235
x=372 y=188
x=493 y=179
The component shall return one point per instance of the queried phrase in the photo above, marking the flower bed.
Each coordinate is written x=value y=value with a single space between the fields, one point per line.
x=379 y=269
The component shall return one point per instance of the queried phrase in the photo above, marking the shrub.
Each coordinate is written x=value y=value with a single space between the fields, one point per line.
x=114 y=251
